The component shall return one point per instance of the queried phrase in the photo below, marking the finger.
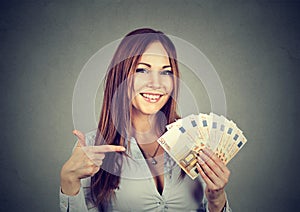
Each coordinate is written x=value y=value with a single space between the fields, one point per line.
x=91 y=155
x=80 y=136
x=91 y=171
x=96 y=169
x=222 y=176
x=97 y=157
x=98 y=162
x=206 y=179
x=209 y=172
x=106 y=148
x=212 y=164
x=217 y=160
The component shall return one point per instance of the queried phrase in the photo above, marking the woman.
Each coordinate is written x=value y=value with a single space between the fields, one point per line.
x=121 y=167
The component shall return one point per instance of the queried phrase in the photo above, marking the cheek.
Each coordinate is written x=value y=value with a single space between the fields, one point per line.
x=168 y=84
x=138 y=84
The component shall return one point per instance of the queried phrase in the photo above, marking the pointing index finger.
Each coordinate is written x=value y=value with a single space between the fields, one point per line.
x=109 y=148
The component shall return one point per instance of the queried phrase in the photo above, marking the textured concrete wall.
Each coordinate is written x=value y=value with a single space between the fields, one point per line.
x=254 y=46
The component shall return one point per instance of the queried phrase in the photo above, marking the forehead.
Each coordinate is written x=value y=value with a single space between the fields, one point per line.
x=155 y=48
x=155 y=53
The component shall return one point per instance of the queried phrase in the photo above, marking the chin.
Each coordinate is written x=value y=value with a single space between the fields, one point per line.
x=150 y=112
x=147 y=111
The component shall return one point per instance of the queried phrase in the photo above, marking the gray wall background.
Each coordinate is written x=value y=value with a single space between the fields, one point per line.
x=254 y=46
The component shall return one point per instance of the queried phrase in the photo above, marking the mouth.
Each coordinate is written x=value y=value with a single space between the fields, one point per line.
x=150 y=97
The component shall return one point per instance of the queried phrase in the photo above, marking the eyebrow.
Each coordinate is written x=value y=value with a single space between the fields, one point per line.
x=146 y=64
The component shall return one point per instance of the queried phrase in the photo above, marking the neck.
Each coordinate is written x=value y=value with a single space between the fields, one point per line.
x=144 y=128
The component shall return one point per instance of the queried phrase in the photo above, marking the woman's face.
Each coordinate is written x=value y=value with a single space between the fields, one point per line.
x=152 y=80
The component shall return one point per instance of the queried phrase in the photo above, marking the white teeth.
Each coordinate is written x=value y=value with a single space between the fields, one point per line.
x=151 y=96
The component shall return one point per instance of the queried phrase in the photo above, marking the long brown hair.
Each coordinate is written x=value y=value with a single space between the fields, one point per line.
x=115 y=118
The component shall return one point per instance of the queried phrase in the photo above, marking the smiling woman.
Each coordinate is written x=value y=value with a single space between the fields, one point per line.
x=121 y=167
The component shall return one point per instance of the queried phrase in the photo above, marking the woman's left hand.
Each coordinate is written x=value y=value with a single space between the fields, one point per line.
x=216 y=175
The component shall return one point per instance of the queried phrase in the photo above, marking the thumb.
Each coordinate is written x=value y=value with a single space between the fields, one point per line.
x=80 y=136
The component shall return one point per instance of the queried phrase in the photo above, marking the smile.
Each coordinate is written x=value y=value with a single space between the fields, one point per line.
x=153 y=98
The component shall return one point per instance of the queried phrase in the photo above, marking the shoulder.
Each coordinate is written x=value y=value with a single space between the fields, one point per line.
x=90 y=137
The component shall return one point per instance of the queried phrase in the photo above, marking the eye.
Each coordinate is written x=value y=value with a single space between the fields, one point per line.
x=141 y=70
x=167 y=72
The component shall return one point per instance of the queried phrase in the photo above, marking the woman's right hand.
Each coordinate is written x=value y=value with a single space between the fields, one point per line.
x=85 y=161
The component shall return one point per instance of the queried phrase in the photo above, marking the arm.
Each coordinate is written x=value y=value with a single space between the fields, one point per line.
x=216 y=175
x=72 y=203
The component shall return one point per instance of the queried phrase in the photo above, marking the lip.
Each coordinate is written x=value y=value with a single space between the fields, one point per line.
x=151 y=97
x=153 y=92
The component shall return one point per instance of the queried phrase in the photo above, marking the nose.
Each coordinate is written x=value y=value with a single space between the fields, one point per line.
x=154 y=80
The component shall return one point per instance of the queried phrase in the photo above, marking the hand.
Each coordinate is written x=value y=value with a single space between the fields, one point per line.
x=85 y=161
x=216 y=175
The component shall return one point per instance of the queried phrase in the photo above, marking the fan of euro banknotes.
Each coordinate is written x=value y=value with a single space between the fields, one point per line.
x=187 y=136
